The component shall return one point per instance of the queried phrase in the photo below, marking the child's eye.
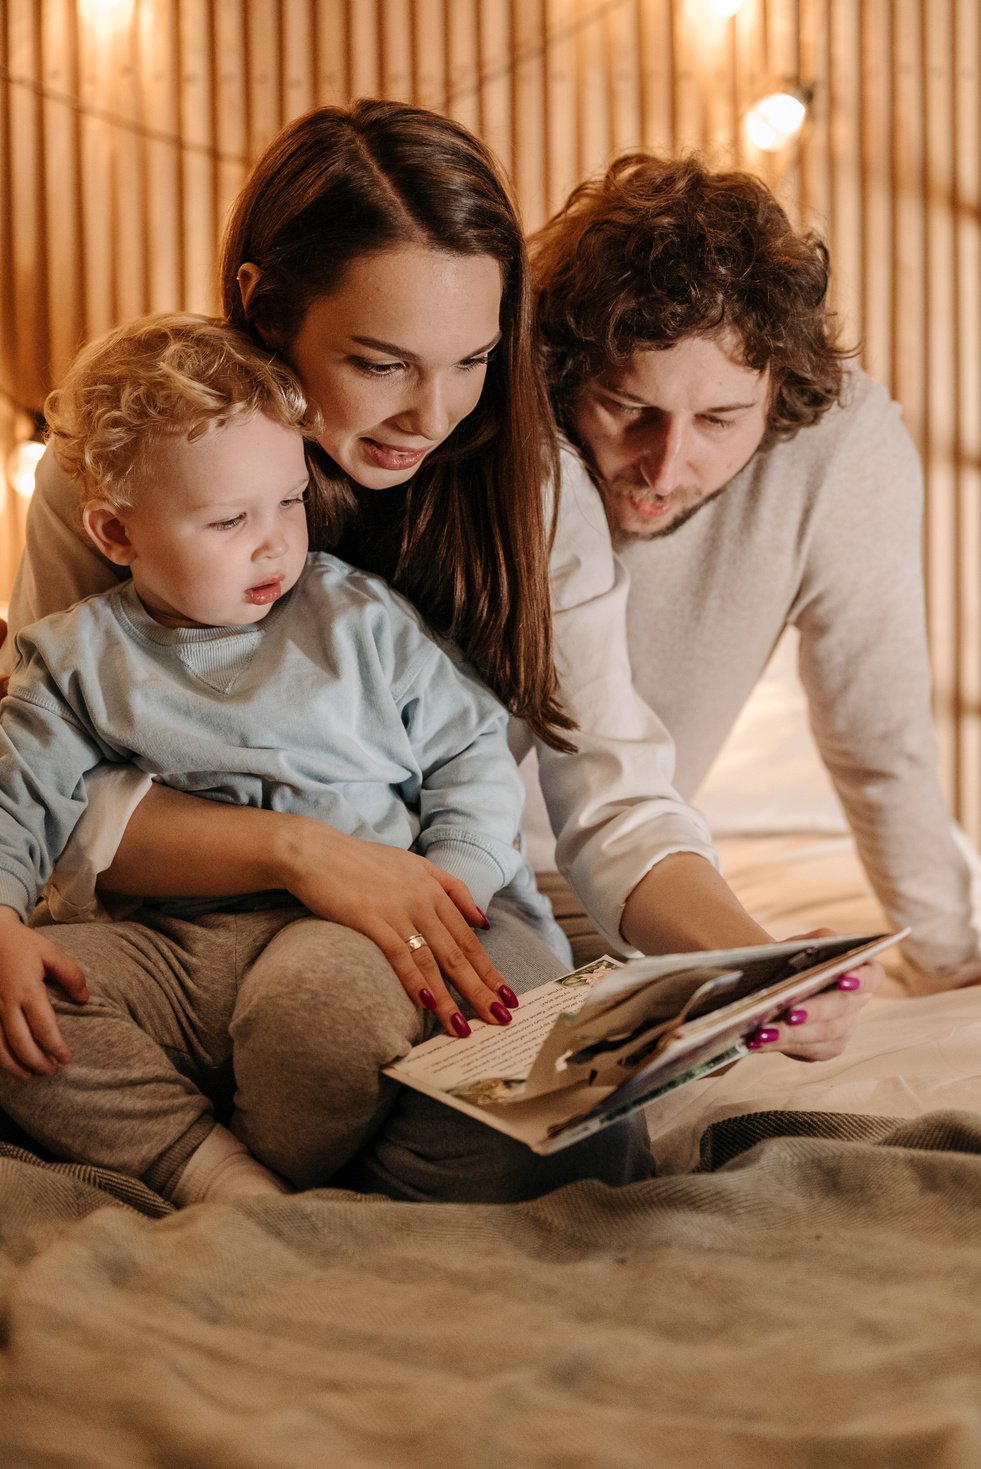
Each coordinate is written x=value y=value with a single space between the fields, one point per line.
x=227 y=524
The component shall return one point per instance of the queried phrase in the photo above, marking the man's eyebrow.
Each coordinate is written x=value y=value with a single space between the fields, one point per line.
x=643 y=403
x=394 y=350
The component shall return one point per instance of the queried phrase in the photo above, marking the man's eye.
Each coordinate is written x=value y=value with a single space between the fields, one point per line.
x=717 y=422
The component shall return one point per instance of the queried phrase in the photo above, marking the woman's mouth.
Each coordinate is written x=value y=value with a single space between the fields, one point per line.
x=387 y=456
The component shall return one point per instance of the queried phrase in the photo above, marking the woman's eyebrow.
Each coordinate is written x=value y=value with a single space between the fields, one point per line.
x=394 y=350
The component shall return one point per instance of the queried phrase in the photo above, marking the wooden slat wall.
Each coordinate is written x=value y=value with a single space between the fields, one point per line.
x=126 y=127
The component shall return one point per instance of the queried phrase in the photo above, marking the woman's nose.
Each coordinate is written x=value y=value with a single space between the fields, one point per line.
x=426 y=415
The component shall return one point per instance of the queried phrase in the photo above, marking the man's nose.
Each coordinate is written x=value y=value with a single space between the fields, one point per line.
x=662 y=458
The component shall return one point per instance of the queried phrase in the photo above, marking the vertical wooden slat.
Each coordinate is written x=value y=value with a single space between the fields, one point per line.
x=124 y=138
x=943 y=562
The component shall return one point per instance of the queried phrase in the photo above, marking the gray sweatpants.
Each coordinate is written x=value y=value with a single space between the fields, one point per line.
x=305 y=1012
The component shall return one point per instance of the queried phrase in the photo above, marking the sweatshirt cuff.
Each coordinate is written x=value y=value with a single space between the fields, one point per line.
x=13 y=894
x=472 y=865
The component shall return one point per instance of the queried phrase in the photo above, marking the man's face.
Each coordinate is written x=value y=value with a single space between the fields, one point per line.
x=670 y=429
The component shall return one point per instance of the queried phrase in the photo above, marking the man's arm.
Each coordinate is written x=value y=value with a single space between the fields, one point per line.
x=638 y=856
x=864 y=663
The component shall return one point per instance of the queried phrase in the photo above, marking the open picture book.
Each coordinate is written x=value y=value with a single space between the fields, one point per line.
x=586 y=1049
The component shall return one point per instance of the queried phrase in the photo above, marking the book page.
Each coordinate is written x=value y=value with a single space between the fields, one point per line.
x=492 y=1063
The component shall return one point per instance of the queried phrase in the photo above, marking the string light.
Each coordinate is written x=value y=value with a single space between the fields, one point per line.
x=778 y=117
x=22 y=461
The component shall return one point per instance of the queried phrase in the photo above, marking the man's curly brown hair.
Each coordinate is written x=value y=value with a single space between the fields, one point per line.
x=658 y=250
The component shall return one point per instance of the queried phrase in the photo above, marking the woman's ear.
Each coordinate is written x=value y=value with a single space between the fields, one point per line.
x=248 y=277
x=104 y=527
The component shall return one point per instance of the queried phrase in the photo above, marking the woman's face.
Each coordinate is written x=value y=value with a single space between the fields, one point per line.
x=397 y=356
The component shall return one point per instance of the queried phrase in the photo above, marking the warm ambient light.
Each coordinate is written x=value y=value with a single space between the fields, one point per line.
x=21 y=464
x=775 y=119
x=109 y=14
x=725 y=9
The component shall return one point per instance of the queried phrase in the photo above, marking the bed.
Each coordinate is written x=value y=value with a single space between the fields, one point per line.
x=797 y=1287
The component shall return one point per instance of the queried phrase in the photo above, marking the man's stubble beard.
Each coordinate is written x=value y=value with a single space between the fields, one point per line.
x=668 y=530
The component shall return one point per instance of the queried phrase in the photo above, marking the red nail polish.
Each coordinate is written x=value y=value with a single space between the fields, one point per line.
x=427 y=999
x=499 y=1013
x=486 y=922
x=508 y=996
x=796 y=1017
x=459 y=1024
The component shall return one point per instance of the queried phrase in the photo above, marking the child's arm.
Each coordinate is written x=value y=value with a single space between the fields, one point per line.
x=30 y=1042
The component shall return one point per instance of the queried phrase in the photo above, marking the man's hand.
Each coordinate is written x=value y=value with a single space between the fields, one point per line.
x=30 y=1042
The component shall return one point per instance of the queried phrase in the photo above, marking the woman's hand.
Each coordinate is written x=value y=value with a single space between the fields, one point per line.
x=821 y=1026
x=418 y=915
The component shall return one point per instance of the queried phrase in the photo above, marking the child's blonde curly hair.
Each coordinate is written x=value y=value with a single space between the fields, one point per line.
x=166 y=374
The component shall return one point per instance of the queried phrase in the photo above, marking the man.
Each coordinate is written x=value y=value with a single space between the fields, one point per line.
x=754 y=479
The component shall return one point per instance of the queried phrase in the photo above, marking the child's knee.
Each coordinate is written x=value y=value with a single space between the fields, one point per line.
x=322 y=991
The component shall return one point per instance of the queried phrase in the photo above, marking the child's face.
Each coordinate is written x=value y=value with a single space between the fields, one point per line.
x=220 y=531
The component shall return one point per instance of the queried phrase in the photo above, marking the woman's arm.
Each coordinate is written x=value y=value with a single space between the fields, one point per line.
x=178 y=845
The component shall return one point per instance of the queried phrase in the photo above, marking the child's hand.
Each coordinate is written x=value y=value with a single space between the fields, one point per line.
x=30 y=1042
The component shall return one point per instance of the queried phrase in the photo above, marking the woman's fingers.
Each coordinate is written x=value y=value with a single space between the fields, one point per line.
x=820 y=1027
x=428 y=966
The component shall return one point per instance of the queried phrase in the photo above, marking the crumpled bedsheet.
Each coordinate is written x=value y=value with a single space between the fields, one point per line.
x=810 y=1299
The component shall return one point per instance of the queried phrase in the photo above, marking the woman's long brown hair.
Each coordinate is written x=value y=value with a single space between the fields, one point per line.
x=338 y=184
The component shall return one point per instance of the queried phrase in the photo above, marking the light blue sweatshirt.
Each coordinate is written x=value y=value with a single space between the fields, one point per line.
x=337 y=705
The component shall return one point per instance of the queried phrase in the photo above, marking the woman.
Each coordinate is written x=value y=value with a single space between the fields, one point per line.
x=377 y=249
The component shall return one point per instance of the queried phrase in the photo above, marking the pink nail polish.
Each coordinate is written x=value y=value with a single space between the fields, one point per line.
x=459 y=1024
x=427 y=999
x=768 y=1035
x=849 y=982
x=753 y=1044
x=508 y=996
x=796 y=1017
x=500 y=1013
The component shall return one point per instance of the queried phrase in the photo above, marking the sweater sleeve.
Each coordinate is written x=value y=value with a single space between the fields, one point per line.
x=60 y=565
x=471 y=794
x=45 y=753
x=612 y=804
x=864 y=664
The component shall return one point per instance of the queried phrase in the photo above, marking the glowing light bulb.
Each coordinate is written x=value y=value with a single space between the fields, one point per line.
x=775 y=119
x=21 y=465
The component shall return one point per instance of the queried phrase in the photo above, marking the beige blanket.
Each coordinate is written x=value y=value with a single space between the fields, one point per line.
x=813 y=1300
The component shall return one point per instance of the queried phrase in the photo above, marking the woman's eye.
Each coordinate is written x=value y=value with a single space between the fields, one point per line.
x=376 y=369
x=471 y=362
x=291 y=500
x=227 y=524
